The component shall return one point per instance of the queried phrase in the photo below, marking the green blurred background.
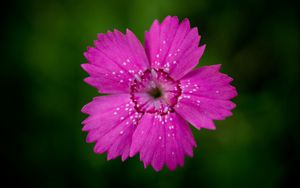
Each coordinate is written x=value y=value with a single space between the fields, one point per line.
x=257 y=42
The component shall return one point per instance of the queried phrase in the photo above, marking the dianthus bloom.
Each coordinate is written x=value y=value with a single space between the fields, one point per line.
x=153 y=92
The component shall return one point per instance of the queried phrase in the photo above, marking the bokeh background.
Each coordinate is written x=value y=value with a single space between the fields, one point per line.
x=42 y=144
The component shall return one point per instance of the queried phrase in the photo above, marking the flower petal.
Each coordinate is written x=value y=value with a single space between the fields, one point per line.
x=111 y=124
x=173 y=47
x=206 y=95
x=114 y=61
x=162 y=140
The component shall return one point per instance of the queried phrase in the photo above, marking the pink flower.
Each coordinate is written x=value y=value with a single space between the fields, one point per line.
x=153 y=92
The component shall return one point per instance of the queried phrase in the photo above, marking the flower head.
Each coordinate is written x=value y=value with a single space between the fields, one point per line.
x=153 y=92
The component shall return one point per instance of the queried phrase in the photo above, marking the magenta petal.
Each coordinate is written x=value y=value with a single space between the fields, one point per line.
x=206 y=95
x=159 y=155
x=195 y=117
x=173 y=47
x=116 y=141
x=139 y=135
x=162 y=140
x=111 y=124
x=114 y=61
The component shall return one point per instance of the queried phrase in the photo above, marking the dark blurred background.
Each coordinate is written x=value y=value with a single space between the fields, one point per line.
x=42 y=144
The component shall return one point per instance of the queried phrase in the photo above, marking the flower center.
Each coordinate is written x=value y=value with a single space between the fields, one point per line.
x=154 y=91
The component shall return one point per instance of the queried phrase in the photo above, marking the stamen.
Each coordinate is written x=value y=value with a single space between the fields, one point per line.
x=152 y=84
x=156 y=105
x=137 y=77
x=153 y=73
x=166 y=109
